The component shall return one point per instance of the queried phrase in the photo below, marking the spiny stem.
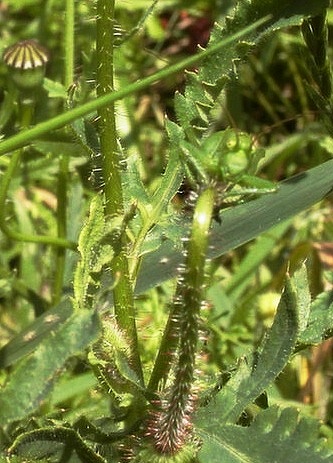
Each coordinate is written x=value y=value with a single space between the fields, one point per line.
x=112 y=167
x=174 y=422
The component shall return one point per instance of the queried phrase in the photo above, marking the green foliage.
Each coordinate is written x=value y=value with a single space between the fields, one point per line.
x=110 y=356
x=254 y=374
x=96 y=252
x=321 y=315
x=89 y=224
x=278 y=434
x=18 y=399
x=244 y=222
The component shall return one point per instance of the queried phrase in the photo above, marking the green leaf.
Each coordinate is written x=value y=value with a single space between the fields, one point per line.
x=156 y=224
x=55 y=89
x=52 y=443
x=320 y=321
x=261 y=249
x=174 y=171
x=28 y=339
x=303 y=297
x=134 y=189
x=94 y=253
x=33 y=379
x=57 y=148
x=110 y=357
x=253 y=377
x=68 y=388
x=276 y=435
x=204 y=86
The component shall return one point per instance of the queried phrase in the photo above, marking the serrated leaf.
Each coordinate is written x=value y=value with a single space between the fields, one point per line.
x=276 y=436
x=110 y=356
x=174 y=171
x=216 y=69
x=320 y=321
x=255 y=375
x=134 y=188
x=94 y=253
x=32 y=380
x=52 y=443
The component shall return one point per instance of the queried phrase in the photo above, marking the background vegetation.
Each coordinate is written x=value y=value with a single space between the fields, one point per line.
x=274 y=97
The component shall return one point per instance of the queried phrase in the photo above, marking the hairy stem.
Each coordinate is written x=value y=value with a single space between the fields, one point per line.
x=174 y=422
x=112 y=173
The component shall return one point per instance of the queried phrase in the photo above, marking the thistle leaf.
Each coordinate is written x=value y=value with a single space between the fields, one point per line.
x=204 y=86
x=95 y=253
x=276 y=435
x=254 y=375
x=320 y=321
x=110 y=358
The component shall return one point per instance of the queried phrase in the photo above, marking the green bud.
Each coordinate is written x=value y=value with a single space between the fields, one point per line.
x=235 y=163
x=27 y=60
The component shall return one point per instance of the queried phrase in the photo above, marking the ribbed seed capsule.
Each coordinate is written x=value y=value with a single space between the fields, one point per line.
x=27 y=54
x=27 y=60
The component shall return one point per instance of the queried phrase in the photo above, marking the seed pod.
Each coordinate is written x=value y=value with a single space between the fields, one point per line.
x=27 y=60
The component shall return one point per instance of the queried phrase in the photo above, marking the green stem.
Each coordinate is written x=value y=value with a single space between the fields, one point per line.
x=69 y=43
x=62 y=189
x=173 y=423
x=106 y=114
x=25 y=137
x=169 y=340
x=112 y=170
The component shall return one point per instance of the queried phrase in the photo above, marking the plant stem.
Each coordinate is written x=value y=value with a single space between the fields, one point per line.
x=69 y=43
x=62 y=189
x=112 y=167
x=174 y=421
